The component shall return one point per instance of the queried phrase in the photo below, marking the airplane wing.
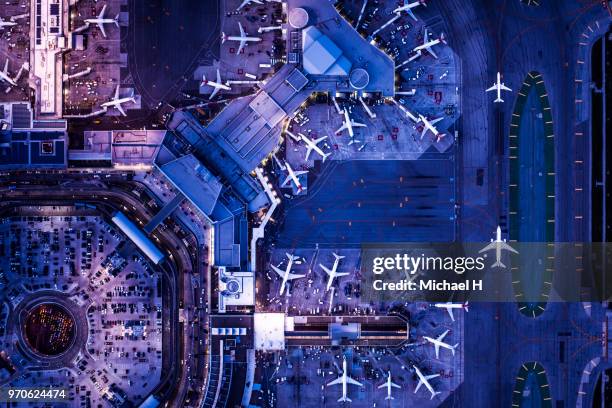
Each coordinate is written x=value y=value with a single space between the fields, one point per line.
x=418 y=385
x=341 y=128
x=505 y=88
x=424 y=132
x=431 y=51
x=349 y=380
x=116 y=93
x=241 y=46
x=383 y=385
x=120 y=109
x=336 y=381
x=394 y=385
x=489 y=247
x=338 y=274
x=440 y=337
x=494 y=87
x=242 y=34
x=356 y=124
x=437 y=348
x=101 y=27
x=411 y=14
x=299 y=173
x=101 y=15
x=433 y=122
x=286 y=182
x=292 y=276
x=280 y=272
x=5 y=70
x=218 y=76
x=507 y=247
x=450 y=312
x=319 y=140
x=326 y=269
x=214 y=92
x=308 y=151
x=426 y=37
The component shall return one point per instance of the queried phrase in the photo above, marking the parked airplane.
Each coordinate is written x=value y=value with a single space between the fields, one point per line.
x=5 y=76
x=217 y=85
x=247 y=2
x=313 y=145
x=242 y=38
x=100 y=21
x=428 y=125
x=498 y=86
x=408 y=8
x=6 y=23
x=498 y=244
x=293 y=176
x=116 y=101
x=437 y=342
x=333 y=273
x=344 y=379
x=348 y=124
x=428 y=44
x=389 y=385
x=424 y=380
x=286 y=275
x=450 y=306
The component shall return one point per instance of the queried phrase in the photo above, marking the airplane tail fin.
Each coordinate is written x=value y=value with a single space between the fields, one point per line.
x=440 y=136
x=223 y=37
x=116 y=19
x=344 y=399
x=453 y=348
x=466 y=306
x=325 y=156
x=443 y=38
x=498 y=264
x=388 y=397
x=433 y=394
x=498 y=100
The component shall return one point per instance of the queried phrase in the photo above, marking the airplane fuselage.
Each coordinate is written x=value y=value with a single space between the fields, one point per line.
x=216 y=85
x=4 y=77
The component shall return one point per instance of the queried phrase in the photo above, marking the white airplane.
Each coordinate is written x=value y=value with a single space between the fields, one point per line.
x=4 y=75
x=389 y=385
x=345 y=380
x=408 y=8
x=286 y=274
x=424 y=379
x=428 y=44
x=498 y=86
x=437 y=342
x=313 y=145
x=293 y=176
x=498 y=244
x=243 y=38
x=7 y=23
x=100 y=21
x=348 y=124
x=247 y=2
x=217 y=85
x=333 y=273
x=116 y=101
x=429 y=126
x=450 y=306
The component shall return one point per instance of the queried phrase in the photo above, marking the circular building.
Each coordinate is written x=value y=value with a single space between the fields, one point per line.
x=298 y=18
x=359 y=78
x=49 y=329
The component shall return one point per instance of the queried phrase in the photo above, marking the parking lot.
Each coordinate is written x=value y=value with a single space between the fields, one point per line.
x=15 y=48
x=118 y=291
